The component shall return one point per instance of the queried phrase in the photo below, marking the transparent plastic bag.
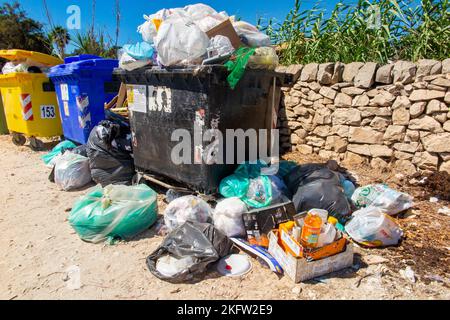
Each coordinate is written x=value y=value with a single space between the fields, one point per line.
x=372 y=228
x=220 y=46
x=250 y=35
x=227 y=217
x=264 y=58
x=140 y=50
x=180 y=42
x=114 y=212
x=72 y=171
x=49 y=158
x=188 y=208
x=389 y=201
x=210 y=21
x=11 y=67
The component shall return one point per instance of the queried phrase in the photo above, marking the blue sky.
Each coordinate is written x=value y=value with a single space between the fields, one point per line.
x=132 y=11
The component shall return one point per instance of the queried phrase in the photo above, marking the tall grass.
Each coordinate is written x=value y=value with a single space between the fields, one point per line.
x=377 y=30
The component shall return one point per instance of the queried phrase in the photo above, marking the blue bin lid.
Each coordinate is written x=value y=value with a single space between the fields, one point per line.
x=75 y=64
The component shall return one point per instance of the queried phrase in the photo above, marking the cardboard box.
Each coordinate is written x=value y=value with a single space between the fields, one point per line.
x=299 y=269
x=294 y=248
x=259 y=222
x=226 y=29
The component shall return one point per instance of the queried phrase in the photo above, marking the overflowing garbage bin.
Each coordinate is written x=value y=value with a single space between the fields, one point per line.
x=164 y=100
x=29 y=98
x=83 y=84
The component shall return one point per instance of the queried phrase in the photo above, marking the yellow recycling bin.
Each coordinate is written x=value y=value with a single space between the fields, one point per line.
x=29 y=99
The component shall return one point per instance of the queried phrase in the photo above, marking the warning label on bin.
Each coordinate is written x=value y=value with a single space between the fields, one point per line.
x=160 y=99
x=65 y=92
x=137 y=98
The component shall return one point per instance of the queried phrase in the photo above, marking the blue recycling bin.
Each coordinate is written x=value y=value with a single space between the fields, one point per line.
x=83 y=84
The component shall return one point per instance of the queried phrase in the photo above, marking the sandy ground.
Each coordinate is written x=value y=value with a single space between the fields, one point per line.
x=38 y=247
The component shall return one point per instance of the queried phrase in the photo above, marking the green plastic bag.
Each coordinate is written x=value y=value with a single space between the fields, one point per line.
x=114 y=212
x=238 y=65
x=249 y=185
x=65 y=145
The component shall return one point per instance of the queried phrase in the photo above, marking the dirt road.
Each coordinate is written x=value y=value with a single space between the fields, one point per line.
x=38 y=247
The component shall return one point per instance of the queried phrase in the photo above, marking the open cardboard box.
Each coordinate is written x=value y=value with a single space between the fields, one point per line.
x=299 y=269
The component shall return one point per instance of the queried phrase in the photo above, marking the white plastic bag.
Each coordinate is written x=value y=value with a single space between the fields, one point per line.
x=199 y=11
x=228 y=217
x=72 y=171
x=381 y=196
x=180 y=42
x=250 y=35
x=188 y=208
x=371 y=227
x=11 y=67
x=327 y=235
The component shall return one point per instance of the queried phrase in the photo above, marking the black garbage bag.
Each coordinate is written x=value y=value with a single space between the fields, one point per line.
x=315 y=186
x=81 y=150
x=200 y=243
x=109 y=150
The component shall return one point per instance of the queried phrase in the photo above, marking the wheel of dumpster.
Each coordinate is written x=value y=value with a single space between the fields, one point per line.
x=36 y=144
x=18 y=139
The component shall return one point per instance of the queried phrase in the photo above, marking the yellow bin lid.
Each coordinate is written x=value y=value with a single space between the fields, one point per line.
x=37 y=57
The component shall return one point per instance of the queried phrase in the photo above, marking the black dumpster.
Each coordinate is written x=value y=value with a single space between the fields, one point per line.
x=162 y=101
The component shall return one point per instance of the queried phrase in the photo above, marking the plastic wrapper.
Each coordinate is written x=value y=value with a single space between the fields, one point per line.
x=227 y=217
x=193 y=247
x=72 y=171
x=314 y=186
x=381 y=196
x=109 y=150
x=129 y=63
x=264 y=58
x=188 y=208
x=372 y=228
x=250 y=35
x=49 y=159
x=180 y=42
x=115 y=212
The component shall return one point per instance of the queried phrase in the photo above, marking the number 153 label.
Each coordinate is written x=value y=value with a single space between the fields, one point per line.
x=48 y=112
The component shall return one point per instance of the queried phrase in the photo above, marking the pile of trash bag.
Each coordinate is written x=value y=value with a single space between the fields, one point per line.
x=255 y=189
x=72 y=171
x=114 y=212
x=109 y=149
x=315 y=186
x=188 y=251
x=190 y=35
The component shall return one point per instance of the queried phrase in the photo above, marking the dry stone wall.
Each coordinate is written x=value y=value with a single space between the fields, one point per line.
x=395 y=115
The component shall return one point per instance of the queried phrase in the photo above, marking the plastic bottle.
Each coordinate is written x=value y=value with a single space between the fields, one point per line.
x=311 y=230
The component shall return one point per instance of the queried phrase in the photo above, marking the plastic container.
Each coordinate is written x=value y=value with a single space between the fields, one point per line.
x=29 y=99
x=162 y=101
x=83 y=84
x=311 y=230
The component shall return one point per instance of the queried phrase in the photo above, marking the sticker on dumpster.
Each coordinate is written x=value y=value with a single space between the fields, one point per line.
x=65 y=92
x=48 y=112
x=84 y=121
x=160 y=99
x=66 y=108
x=27 y=107
x=137 y=98
x=82 y=102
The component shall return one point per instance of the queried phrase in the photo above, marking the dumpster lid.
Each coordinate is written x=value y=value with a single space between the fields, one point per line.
x=37 y=57
x=83 y=62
